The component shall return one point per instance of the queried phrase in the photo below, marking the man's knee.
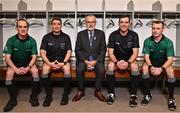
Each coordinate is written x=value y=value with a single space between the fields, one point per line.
x=100 y=68
x=45 y=69
x=111 y=65
x=67 y=69
x=170 y=71
x=134 y=66
x=34 y=70
x=9 y=74
x=110 y=72
x=81 y=67
x=135 y=69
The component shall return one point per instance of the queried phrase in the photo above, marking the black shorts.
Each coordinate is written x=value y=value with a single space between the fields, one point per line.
x=54 y=59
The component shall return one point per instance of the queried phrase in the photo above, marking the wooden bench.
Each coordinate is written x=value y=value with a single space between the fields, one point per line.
x=88 y=74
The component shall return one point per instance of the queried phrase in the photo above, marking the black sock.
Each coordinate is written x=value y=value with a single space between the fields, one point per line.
x=171 y=89
x=47 y=85
x=134 y=84
x=147 y=86
x=67 y=86
x=111 y=83
x=35 y=87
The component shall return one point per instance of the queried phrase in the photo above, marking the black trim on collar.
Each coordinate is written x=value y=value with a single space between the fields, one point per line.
x=160 y=40
x=61 y=33
x=17 y=36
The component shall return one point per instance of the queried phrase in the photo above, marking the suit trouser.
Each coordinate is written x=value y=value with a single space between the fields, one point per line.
x=80 y=72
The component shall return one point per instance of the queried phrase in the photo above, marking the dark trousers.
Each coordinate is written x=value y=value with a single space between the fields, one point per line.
x=80 y=73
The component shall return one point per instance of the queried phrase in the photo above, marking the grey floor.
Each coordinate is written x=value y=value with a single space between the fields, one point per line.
x=89 y=103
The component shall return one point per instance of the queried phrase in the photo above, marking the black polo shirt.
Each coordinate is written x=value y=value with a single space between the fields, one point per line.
x=56 y=46
x=123 y=45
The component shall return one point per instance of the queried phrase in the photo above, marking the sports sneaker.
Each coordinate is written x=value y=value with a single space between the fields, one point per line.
x=111 y=98
x=146 y=100
x=133 y=101
x=171 y=105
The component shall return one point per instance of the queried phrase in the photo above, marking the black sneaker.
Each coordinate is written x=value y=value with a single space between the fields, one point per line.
x=111 y=98
x=64 y=100
x=34 y=101
x=10 y=105
x=146 y=100
x=47 y=101
x=133 y=101
x=171 y=105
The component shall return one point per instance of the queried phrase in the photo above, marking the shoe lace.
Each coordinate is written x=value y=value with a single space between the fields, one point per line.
x=172 y=101
x=133 y=97
x=147 y=97
x=111 y=96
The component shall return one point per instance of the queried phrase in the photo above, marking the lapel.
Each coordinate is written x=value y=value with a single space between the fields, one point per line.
x=94 y=38
x=87 y=38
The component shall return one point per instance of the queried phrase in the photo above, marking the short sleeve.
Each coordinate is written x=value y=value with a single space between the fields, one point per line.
x=8 y=48
x=146 y=49
x=44 y=43
x=34 y=47
x=170 y=49
x=136 y=41
x=111 y=41
x=68 y=44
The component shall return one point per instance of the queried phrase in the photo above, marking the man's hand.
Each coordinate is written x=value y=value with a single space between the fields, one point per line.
x=156 y=71
x=90 y=64
x=22 y=70
x=122 y=65
x=57 y=65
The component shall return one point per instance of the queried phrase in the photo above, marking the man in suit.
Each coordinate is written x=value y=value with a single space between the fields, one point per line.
x=90 y=53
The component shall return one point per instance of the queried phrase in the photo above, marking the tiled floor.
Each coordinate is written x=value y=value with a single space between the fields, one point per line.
x=89 y=103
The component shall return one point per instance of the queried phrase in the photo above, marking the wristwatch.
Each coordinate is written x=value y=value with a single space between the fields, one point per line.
x=129 y=64
x=64 y=62
x=149 y=67
x=29 y=66
x=115 y=62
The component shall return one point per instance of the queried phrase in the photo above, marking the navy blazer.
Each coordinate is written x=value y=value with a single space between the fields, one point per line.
x=83 y=50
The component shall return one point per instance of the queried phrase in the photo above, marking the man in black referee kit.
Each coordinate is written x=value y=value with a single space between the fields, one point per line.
x=20 y=55
x=56 y=51
x=123 y=48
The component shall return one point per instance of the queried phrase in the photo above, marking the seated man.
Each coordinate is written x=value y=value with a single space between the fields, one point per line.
x=158 y=53
x=123 y=48
x=90 y=53
x=56 y=51
x=20 y=55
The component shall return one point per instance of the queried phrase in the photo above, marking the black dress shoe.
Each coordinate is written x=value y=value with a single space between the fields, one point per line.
x=78 y=96
x=64 y=100
x=100 y=96
x=47 y=101
x=10 y=105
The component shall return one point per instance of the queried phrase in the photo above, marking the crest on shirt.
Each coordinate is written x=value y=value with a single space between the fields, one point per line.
x=15 y=49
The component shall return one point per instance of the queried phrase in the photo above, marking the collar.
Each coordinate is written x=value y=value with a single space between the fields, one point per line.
x=17 y=36
x=160 y=40
x=118 y=32
x=61 y=33
x=90 y=31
